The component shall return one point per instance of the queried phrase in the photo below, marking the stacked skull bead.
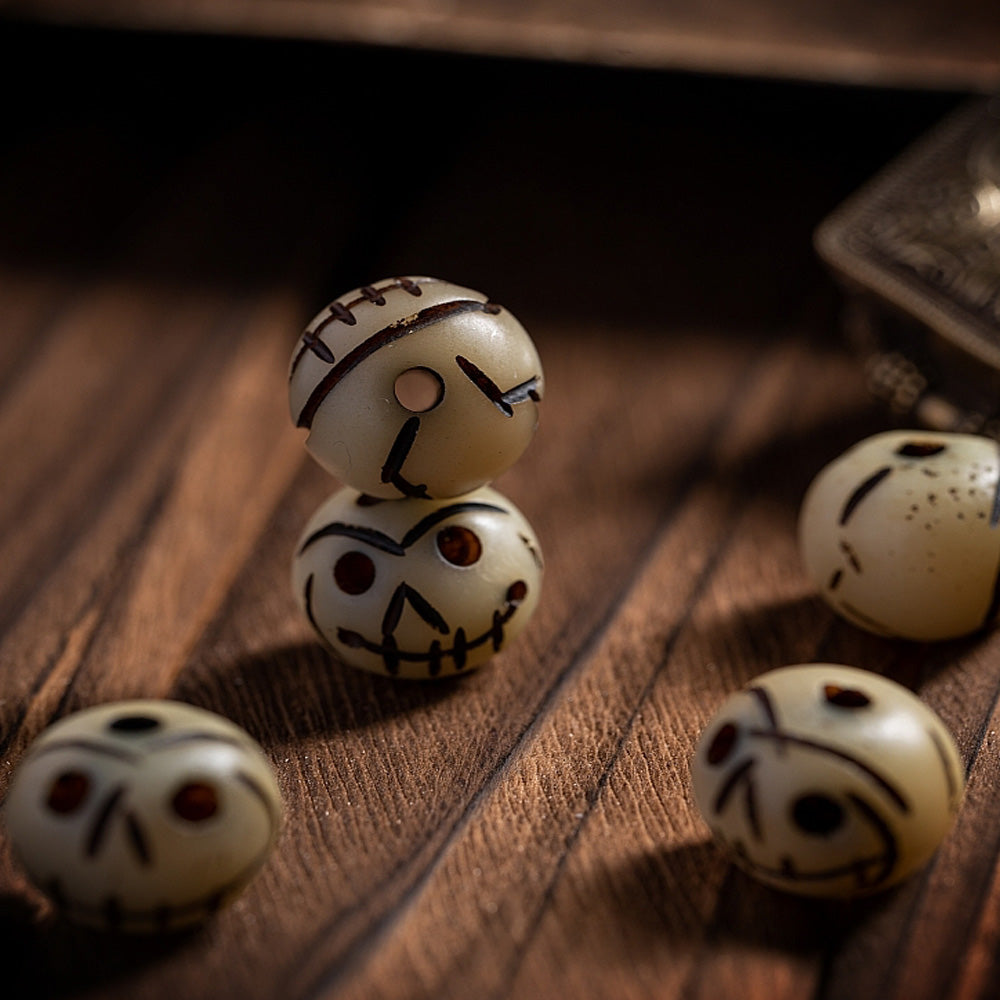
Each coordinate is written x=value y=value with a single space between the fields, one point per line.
x=416 y=394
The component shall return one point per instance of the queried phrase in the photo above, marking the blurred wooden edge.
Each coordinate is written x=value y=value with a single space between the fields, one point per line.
x=800 y=42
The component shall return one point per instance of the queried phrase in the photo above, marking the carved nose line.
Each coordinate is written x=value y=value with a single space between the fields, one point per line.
x=404 y=594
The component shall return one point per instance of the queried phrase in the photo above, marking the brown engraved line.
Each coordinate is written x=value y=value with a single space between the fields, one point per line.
x=858 y=867
x=311 y=338
x=766 y=704
x=503 y=401
x=195 y=736
x=742 y=775
x=391 y=470
x=114 y=915
x=770 y=713
x=535 y=554
x=811 y=744
x=93 y=746
x=852 y=556
x=342 y=312
x=861 y=491
x=103 y=818
x=392 y=655
x=383 y=542
x=405 y=593
x=387 y=335
x=370 y=536
x=442 y=514
x=892 y=849
x=137 y=838
x=309 y=606
x=835 y=579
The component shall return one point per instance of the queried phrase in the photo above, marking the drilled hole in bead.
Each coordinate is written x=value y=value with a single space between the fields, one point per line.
x=920 y=449
x=419 y=389
x=134 y=724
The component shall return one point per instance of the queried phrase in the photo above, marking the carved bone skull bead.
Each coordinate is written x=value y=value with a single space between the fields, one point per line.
x=901 y=534
x=415 y=387
x=826 y=780
x=417 y=588
x=143 y=815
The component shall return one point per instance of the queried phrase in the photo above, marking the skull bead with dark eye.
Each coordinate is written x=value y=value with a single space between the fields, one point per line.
x=415 y=387
x=901 y=534
x=417 y=588
x=142 y=815
x=826 y=780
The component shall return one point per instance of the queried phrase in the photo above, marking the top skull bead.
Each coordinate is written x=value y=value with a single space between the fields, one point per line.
x=415 y=387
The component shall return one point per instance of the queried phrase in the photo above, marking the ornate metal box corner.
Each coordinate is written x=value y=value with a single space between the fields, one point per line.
x=917 y=250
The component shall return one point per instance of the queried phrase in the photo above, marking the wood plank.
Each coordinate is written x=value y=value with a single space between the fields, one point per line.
x=924 y=44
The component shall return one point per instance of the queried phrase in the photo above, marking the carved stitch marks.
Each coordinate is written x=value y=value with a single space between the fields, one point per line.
x=389 y=334
x=340 y=312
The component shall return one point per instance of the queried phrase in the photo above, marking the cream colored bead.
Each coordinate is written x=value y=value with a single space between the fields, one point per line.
x=415 y=387
x=143 y=815
x=417 y=588
x=900 y=534
x=827 y=780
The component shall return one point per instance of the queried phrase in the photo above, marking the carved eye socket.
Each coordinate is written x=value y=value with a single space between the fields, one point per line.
x=354 y=572
x=195 y=802
x=920 y=449
x=68 y=792
x=817 y=814
x=845 y=697
x=134 y=724
x=722 y=743
x=459 y=546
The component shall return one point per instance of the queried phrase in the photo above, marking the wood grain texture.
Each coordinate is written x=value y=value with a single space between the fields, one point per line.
x=897 y=43
x=527 y=830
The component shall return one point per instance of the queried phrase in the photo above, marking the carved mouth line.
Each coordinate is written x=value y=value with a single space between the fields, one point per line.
x=883 y=863
x=868 y=872
x=113 y=915
x=434 y=656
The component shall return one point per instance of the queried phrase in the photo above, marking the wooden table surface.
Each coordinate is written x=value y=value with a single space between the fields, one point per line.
x=172 y=211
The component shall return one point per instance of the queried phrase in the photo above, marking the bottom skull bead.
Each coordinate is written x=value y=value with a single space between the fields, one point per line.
x=417 y=588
